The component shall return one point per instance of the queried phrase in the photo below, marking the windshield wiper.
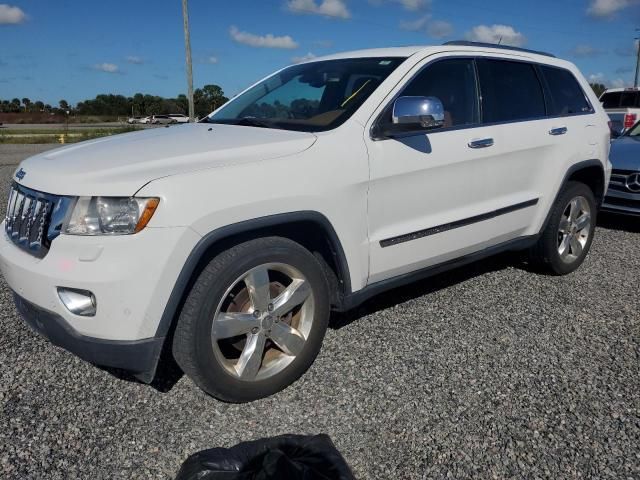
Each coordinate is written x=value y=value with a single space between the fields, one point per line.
x=253 y=122
x=246 y=121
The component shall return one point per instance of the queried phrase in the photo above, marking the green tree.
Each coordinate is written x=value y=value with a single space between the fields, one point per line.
x=39 y=106
x=64 y=105
x=207 y=99
x=27 y=103
x=598 y=88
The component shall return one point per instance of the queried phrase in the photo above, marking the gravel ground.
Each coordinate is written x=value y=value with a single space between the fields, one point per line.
x=490 y=371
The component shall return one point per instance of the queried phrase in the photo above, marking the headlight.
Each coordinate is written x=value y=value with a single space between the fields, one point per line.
x=110 y=215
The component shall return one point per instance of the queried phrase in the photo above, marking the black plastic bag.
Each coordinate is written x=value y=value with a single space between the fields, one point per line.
x=291 y=457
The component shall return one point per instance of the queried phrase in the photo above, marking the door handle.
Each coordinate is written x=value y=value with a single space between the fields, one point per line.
x=558 y=131
x=482 y=143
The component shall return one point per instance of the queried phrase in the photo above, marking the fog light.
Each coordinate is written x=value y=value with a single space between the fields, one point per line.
x=78 y=302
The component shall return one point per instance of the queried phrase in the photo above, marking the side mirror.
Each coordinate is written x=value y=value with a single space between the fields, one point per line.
x=412 y=115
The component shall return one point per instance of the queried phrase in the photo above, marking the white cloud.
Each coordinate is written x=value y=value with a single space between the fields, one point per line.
x=502 y=34
x=107 y=67
x=323 y=43
x=135 y=60
x=411 y=5
x=212 y=60
x=414 y=4
x=328 y=8
x=433 y=28
x=619 y=83
x=608 y=8
x=417 y=24
x=596 y=78
x=439 y=29
x=262 y=41
x=303 y=58
x=10 y=15
x=614 y=83
x=586 y=51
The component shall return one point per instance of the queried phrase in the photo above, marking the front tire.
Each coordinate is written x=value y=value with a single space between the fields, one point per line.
x=566 y=240
x=254 y=320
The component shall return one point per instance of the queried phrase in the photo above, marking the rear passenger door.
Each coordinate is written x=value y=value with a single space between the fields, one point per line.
x=514 y=109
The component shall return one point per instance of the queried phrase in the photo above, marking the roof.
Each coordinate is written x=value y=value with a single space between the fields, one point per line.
x=375 y=52
x=627 y=89
x=426 y=49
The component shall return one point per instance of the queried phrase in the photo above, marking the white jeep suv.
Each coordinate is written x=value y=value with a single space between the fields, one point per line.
x=228 y=242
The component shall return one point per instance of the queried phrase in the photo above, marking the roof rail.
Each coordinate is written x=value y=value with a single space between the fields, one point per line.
x=464 y=43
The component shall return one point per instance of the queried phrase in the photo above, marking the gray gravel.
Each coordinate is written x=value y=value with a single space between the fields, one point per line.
x=12 y=154
x=486 y=372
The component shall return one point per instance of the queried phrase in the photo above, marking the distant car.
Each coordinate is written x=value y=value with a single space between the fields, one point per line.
x=179 y=117
x=623 y=195
x=623 y=107
x=162 y=120
x=145 y=120
x=132 y=120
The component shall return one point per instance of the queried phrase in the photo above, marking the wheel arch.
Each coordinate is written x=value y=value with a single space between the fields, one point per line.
x=309 y=228
x=590 y=172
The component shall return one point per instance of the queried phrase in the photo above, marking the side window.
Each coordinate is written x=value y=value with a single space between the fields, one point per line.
x=567 y=97
x=629 y=100
x=611 y=99
x=453 y=82
x=510 y=91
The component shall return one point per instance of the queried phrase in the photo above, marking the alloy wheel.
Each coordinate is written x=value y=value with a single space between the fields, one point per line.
x=263 y=321
x=574 y=229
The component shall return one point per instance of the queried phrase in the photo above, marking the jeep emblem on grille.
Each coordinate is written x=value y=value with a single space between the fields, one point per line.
x=20 y=174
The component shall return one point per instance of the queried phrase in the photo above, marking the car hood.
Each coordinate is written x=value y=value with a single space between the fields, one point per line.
x=625 y=153
x=121 y=164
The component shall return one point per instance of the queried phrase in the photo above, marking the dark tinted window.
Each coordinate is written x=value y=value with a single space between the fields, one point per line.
x=611 y=99
x=567 y=97
x=453 y=83
x=629 y=100
x=510 y=91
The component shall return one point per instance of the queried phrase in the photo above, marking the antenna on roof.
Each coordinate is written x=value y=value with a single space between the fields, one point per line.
x=500 y=41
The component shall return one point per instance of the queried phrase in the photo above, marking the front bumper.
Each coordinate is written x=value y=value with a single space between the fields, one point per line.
x=139 y=357
x=131 y=277
x=617 y=201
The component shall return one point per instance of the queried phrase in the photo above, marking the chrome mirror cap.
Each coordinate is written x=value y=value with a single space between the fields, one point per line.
x=427 y=112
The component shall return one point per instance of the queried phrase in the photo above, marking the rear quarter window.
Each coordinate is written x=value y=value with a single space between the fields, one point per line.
x=567 y=97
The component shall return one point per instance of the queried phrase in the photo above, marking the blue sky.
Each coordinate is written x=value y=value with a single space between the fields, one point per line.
x=75 y=49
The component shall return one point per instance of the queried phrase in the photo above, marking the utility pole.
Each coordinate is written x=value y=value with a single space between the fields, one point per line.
x=635 y=83
x=187 y=46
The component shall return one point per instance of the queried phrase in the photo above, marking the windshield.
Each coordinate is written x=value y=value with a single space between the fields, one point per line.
x=634 y=131
x=310 y=97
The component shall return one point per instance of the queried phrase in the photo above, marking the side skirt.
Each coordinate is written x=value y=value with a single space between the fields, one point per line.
x=356 y=298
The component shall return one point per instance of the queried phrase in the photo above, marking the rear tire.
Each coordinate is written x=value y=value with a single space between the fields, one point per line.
x=566 y=239
x=254 y=320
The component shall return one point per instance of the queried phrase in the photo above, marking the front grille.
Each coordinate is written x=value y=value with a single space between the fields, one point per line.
x=619 y=181
x=622 y=203
x=34 y=219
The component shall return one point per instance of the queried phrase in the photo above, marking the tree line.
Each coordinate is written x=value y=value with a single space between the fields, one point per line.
x=205 y=99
